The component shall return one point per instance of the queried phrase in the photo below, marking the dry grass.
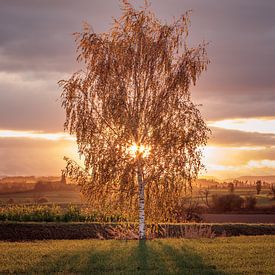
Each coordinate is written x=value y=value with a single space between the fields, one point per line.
x=130 y=232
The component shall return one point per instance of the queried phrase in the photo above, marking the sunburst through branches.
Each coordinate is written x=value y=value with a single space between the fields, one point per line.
x=135 y=150
x=135 y=86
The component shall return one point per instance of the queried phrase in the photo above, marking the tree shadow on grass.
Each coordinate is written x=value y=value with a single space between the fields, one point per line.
x=86 y=259
x=159 y=257
x=186 y=261
x=120 y=257
x=144 y=258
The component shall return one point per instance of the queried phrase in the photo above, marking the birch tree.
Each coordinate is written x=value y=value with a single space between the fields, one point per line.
x=130 y=108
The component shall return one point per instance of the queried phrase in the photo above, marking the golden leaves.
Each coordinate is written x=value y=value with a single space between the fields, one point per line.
x=135 y=88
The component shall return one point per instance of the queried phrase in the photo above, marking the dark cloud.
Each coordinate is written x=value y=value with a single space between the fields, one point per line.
x=235 y=138
x=236 y=106
x=36 y=37
x=30 y=102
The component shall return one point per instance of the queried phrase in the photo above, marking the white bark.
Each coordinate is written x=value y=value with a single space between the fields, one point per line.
x=141 y=212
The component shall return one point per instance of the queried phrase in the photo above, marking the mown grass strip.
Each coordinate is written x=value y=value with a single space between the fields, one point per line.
x=234 y=255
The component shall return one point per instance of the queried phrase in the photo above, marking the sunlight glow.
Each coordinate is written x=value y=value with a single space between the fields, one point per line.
x=214 y=154
x=135 y=150
x=35 y=135
x=227 y=162
x=261 y=125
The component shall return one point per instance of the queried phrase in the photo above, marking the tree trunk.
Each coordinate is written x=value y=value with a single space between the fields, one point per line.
x=141 y=212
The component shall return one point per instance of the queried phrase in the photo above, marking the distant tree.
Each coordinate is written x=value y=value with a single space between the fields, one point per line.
x=231 y=187
x=130 y=108
x=229 y=202
x=272 y=189
x=250 y=202
x=43 y=186
x=206 y=192
x=258 y=186
x=63 y=180
x=40 y=186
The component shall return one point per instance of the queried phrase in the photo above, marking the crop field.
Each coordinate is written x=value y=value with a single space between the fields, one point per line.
x=231 y=255
x=56 y=197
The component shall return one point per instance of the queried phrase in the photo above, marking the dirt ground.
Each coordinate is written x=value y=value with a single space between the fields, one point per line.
x=239 y=218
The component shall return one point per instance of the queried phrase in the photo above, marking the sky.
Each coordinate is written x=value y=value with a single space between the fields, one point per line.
x=237 y=92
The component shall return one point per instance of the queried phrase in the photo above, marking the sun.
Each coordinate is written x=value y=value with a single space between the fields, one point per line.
x=135 y=150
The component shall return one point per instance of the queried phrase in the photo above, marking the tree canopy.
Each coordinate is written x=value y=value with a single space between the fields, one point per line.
x=131 y=97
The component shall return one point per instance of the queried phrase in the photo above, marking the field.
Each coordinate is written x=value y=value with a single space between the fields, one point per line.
x=66 y=197
x=231 y=255
x=239 y=218
x=263 y=199
x=56 y=197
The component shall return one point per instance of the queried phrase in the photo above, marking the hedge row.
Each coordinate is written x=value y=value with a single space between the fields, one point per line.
x=43 y=231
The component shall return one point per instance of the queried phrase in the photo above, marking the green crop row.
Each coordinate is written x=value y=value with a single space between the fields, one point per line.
x=54 y=213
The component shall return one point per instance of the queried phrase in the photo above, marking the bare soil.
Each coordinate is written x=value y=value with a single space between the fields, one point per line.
x=239 y=218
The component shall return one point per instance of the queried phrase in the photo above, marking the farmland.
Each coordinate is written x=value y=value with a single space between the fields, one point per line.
x=264 y=199
x=56 y=197
x=234 y=255
x=23 y=199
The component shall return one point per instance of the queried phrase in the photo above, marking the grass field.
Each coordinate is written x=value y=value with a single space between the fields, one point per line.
x=234 y=255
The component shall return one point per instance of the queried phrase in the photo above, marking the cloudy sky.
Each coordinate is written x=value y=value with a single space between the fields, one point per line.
x=237 y=92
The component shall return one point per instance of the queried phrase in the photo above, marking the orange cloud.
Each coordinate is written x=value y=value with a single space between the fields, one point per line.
x=265 y=125
x=34 y=135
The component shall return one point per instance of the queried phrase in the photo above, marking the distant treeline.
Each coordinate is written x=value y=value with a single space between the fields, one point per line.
x=211 y=183
x=27 y=179
x=22 y=184
x=51 y=186
x=12 y=187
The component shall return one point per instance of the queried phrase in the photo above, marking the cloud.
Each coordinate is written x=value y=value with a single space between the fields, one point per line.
x=38 y=36
x=235 y=138
x=35 y=135
x=228 y=105
x=263 y=163
x=229 y=162
x=229 y=172
x=37 y=39
x=28 y=102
